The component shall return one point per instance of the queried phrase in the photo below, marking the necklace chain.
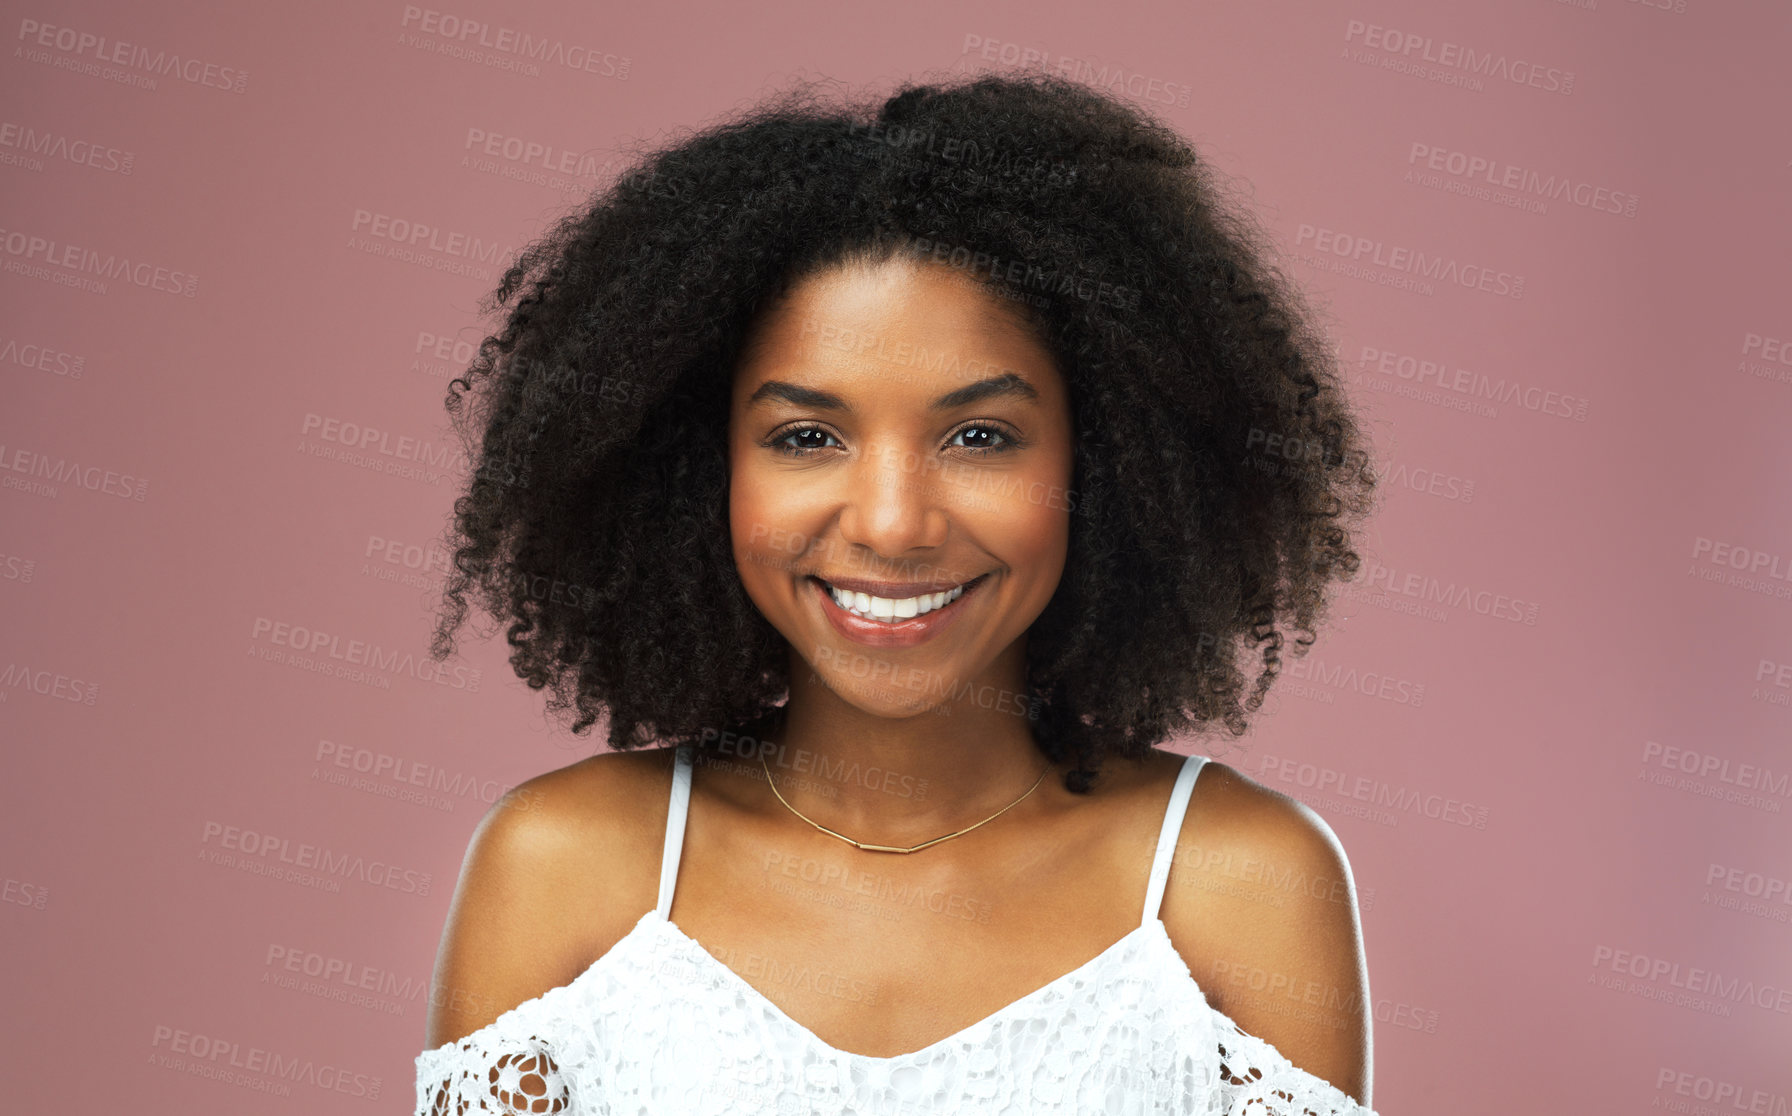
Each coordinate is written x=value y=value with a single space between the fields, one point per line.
x=895 y=848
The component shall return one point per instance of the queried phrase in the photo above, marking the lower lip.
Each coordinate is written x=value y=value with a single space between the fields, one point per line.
x=902 y=633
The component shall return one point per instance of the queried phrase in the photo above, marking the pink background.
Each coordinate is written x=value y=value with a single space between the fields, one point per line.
x=1574 y=624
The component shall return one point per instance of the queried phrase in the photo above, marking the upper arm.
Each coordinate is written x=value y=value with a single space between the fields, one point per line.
x=1262 y=906
x=545 y=887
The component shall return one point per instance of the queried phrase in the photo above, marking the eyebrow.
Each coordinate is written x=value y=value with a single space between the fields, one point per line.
x=1007 y=384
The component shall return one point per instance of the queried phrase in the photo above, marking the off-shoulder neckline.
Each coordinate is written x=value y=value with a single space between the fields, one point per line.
x=1154 y=931
x=740 y=983
x=695 y=950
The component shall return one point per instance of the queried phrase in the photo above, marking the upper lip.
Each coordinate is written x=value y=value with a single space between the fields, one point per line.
x=891 y=590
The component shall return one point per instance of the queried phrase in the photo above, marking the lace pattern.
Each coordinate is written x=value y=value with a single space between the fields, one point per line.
x=659 y=1026
x=506 y=1067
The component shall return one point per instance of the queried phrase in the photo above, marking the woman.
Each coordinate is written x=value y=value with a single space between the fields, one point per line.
x=895 y=478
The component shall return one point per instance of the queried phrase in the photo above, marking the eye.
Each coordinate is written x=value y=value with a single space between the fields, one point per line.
x=780 y=441
x=988 y=430
x=817 y=439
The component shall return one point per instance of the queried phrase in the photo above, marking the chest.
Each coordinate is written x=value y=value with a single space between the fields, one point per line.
x=881 y=954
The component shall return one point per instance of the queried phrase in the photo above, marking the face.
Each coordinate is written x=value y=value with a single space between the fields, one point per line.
x=896 y=431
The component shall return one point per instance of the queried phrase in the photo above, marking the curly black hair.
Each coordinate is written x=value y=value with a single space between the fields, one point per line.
x=1219 y=471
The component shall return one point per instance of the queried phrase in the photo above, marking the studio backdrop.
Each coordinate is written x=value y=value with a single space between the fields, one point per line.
x=241 y=254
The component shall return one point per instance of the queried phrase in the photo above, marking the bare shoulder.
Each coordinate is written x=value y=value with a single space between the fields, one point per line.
x=555 y=873
x=1262 y=907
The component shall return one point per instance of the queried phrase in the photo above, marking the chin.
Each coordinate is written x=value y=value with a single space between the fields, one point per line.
x=879 y=700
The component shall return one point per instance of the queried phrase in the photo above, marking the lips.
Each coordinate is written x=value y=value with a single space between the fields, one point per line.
x=891 y=590
x=927 y=597
x=898 y=633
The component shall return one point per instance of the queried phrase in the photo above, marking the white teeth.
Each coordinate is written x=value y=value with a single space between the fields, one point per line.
x=891 y=611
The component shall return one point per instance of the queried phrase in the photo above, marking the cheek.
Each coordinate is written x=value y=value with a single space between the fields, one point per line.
x=768 y=533
x=1030 y=524
x=1040 y=520
x=746 y=520
x=749 y=525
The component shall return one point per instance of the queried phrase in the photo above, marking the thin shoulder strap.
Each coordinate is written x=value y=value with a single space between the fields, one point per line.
x=1166 y=837
x=675 y=815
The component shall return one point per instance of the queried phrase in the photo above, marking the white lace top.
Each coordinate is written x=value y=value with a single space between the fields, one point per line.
x=659 y=1027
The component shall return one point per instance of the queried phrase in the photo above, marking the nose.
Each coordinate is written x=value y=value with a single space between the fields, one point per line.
x=891 y=504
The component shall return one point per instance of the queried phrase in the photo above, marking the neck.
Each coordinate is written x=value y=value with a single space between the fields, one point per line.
x=903 y=780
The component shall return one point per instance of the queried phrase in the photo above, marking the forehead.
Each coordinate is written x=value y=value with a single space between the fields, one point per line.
x=925 y=319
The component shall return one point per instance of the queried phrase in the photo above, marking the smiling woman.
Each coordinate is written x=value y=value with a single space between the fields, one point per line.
x=935 y=504
x=910 y=485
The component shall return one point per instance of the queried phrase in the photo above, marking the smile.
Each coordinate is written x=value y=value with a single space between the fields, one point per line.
x=892 y=622
x=890 y=611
